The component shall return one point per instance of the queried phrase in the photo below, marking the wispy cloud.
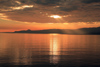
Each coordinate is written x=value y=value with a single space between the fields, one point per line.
x=21 y=7
x=39 y=10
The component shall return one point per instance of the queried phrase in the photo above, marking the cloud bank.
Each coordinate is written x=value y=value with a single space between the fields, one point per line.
x=39 y=10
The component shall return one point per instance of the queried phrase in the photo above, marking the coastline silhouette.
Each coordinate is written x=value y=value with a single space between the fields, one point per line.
x=83 y=31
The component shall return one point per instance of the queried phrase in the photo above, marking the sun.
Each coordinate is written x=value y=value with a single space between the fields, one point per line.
x=55 y=16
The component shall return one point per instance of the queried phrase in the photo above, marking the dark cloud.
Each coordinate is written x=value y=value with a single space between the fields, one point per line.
x=80 y=10
x=47 y=2
x=90 y=1
x=8 y=3
x=68 y=9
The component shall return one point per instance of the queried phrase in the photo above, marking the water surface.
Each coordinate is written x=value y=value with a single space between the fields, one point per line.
x=49 y=50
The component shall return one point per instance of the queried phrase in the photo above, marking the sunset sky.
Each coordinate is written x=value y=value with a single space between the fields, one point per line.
x=48 y=14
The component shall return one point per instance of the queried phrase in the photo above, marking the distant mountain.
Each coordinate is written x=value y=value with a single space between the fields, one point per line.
x=59 y=31
x=63 y=31
x=41 y=31
x=94 y=30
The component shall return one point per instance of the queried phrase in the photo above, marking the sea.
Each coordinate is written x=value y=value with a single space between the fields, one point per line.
x=49 y=50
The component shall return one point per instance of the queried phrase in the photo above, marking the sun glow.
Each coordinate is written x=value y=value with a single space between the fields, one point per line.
x=55 y=16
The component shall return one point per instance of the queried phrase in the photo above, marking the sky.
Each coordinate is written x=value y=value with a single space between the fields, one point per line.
x=48 y=14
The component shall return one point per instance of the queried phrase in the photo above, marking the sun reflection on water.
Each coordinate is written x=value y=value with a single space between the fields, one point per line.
x=54 y=49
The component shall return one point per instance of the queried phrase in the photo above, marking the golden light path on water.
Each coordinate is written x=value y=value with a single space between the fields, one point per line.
x=54 y=48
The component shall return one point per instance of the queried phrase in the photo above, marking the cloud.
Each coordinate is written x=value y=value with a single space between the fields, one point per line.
x=68 y=9
x=90 y=1
x=39 y=10
x=21 y=7
x=47 y=2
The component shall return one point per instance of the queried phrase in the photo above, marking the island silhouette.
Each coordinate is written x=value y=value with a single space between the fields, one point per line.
x=92 y=30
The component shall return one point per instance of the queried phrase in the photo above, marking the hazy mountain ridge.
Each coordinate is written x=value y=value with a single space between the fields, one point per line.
x=94 y=30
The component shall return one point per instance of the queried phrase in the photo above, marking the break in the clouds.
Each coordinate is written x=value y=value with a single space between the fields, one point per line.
x=40 y=10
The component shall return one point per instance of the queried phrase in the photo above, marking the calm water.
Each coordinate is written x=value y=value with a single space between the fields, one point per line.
x=49 y=50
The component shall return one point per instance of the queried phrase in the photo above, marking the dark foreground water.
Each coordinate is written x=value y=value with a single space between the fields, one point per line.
x=49 y=50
